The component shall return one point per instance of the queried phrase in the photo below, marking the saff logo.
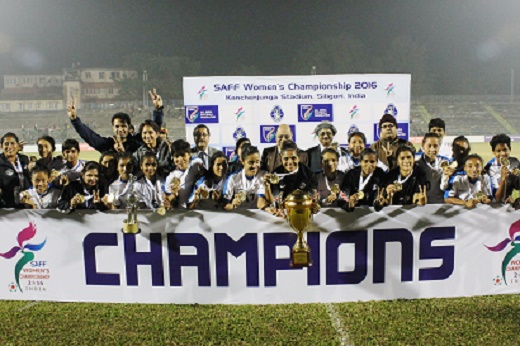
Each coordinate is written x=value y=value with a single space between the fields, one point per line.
x=26 y=250
x=268 y=134
x=192 y=113
x=239 y=133
x=306 y=111
x=515 y=250
x=202 y=93
x=391 y=109
x=240 y=113
x=390 y=89
x=354 y=112
x=277 y=114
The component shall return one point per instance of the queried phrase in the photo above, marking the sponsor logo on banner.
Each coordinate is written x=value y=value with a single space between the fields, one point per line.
x=239 y=114
x=277 y=114
x=509 y=263
x=402 y=131
x=230 y=153
x=268 y=133
x=239 y=133
x=201 y=114
x=203 y=93
x=37 y=274
x=391 y=109
x=315 y=113
x=353 y=128
x=354 y=112
x=390 y=89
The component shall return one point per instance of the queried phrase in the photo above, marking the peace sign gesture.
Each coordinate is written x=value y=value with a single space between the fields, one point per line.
x=156 y=99
x=71 y=109
x=388 y=149
x=118 y=145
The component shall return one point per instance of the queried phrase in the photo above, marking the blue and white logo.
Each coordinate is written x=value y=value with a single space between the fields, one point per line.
x=277 y=114
x=391 y=109
x=315 y=113
x=268 y=133
x=402 y=131
x=239 y=133
x=230 y=153
x=201 y=114
x=353 y=128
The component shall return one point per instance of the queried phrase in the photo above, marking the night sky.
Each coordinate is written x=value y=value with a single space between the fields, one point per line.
x=462 y=39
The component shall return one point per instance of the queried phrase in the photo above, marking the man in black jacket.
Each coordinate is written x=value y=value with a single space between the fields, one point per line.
x=120 y=142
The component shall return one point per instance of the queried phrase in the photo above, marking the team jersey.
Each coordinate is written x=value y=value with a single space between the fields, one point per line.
x=187 y=179
x=252 y=186
x=465 y=189
x=493 y=168
x=47 y=200
x=148 y=193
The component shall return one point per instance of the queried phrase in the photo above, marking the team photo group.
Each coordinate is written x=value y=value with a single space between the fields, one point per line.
x=167 y=174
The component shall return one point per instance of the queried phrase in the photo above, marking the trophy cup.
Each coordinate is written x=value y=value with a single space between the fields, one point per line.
x=130 y=224
x=298 y=212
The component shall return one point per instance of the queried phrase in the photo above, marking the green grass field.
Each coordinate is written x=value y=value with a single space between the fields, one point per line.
x=489 y=320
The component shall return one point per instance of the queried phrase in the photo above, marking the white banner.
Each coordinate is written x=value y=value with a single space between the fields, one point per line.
x=243 y=257
x=254 y=107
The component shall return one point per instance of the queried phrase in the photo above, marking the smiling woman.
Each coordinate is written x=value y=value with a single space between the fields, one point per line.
x=14 y=173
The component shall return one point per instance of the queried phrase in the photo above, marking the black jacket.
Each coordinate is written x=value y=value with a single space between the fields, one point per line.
x=351 y=186
x=77 y=187
x=410 y=187
x=100 y=143
x=10 y=182
x=303 y=180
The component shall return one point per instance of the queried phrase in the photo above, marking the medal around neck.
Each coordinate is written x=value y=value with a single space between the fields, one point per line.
x=398 y=186
x=130 y=224
x=298 y=211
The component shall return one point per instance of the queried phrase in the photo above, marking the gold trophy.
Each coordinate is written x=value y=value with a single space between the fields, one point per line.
x=298 y=211
x=130 y=224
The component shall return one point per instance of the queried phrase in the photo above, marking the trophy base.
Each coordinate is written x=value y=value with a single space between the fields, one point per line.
x=130 y=228
x=301 y=258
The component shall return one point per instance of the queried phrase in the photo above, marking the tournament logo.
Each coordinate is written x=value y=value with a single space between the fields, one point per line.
x=239 y=133
x=201 y=114
x=202 y=93
x=192 y=113
x=354 y=112
x=390 y=89
x=230 y=153
x=507 y=263
x=268 y=134
x=240 y=113
x=353 y=128
x=26 y=250
x=277 y=114
x=315 y=113
x=391 y=109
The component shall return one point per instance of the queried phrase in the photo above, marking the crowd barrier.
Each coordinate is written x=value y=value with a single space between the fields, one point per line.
x=242 y=257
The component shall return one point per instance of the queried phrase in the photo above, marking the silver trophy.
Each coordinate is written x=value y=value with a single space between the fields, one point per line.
x=130 y=224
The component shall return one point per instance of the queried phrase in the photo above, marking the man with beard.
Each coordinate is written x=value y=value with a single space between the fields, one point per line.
x=202 y=150
x=386 y=146
x=120 y=142
x=271 y=157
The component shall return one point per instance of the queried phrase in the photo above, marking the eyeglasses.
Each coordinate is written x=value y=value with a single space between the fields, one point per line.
x=325 y=134
x=388 y=126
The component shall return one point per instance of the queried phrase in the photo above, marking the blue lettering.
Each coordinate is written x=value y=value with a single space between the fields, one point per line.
x=360 y=241
x=92 y=276
x=446 y=253
x=177 y=261
x=383 y=236
x=248 y=244
x=152 y=258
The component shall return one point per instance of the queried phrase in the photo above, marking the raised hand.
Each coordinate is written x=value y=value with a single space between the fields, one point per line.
x=156 y=99
x=420 y=198
x=71 y=109
x=388 y=150
x=118 y=145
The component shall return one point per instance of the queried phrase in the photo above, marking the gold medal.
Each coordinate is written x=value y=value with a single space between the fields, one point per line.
x=241 y=196
x=272 y=178
x=504 y=161
x=161 y=210
x=398 y=186
x=361 y=194
x=335 y=189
